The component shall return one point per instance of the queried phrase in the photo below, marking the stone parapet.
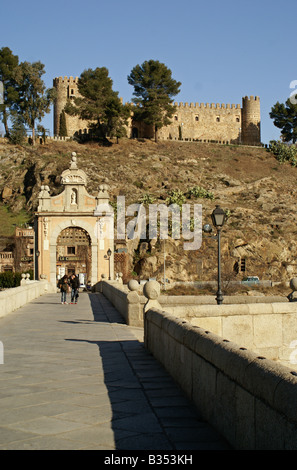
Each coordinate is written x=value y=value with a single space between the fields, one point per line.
x=270 y=328
x=129 y=303
x=16 y=297
x=265 y=325
x=250 y=400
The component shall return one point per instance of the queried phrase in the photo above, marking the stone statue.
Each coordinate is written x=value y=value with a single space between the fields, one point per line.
x=73 y=197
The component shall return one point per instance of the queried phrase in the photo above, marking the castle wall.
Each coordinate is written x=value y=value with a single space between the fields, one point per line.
x=225 y=123
x=218 y=122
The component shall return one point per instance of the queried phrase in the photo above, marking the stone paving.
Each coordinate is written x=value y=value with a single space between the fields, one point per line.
x=77 y=377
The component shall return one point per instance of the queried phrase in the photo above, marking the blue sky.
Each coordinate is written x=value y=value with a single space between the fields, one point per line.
x=219 y=50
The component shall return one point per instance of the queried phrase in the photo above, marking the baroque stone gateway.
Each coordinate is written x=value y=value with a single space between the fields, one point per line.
x=68 y=226
x=201 y=122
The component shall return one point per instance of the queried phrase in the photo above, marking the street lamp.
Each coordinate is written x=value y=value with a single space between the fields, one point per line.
x=109 y=256
x=35 y=264
x=218 y=217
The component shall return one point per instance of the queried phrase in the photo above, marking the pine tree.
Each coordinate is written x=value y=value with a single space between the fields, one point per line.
x=8 y=67
x=154 y=88
x=35 y=100
x=98 y=103
x=285 y=118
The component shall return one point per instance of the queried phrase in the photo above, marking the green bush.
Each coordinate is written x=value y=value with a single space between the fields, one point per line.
x=283 y=152
x=147 y=199
x=8 y=279
x=176 y=196
x=198 y=192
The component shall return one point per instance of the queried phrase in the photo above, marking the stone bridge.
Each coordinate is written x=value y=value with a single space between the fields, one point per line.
x=87 y=377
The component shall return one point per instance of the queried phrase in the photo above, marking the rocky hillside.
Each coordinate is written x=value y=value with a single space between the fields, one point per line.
x=258 y=192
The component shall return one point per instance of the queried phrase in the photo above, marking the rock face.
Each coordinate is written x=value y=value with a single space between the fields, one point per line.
x=258 y=193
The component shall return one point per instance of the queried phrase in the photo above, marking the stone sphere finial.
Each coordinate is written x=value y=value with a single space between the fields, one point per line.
x=133 y=285
x=151 y=290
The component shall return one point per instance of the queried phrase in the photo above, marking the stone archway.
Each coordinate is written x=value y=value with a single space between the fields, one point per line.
x=73 y=253
x=78 y=223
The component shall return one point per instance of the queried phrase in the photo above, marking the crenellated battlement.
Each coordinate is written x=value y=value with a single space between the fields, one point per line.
x=65 y=80
x=251 y=98
x=207 y=105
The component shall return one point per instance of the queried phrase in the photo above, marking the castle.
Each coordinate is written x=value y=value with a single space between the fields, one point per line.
x=192 y=122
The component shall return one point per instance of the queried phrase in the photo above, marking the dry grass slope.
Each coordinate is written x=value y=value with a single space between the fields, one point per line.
x=258 y=192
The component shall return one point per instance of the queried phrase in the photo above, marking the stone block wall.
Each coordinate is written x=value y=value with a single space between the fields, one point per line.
x=250 y=400
x=129 y=304
x=204 y=122
x=266 y=326
x=269 y=329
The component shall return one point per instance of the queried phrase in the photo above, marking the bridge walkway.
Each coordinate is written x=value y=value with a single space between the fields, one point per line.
x=77 y=377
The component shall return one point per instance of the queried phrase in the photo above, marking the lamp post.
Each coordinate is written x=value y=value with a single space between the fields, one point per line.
x=164 y=266
x=218 y=217
x=37 y=254
x=109 y=256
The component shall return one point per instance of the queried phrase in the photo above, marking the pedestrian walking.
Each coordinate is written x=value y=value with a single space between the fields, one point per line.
x=64 y=287
x=74 y=284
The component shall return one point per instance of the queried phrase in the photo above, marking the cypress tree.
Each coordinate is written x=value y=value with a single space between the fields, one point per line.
x=63 y=125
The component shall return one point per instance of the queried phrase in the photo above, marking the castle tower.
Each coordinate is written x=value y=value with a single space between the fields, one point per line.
x=251 y=120
x=66 y=89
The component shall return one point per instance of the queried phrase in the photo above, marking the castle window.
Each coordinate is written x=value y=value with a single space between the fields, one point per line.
x=218 y=119
x=70 y=250
x=237 y=119
x=196 y=118
x=71 y=93
x=175 y=118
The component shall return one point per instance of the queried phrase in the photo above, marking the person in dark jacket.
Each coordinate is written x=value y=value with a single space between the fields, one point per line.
x=63 y=286
x=74 y=284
